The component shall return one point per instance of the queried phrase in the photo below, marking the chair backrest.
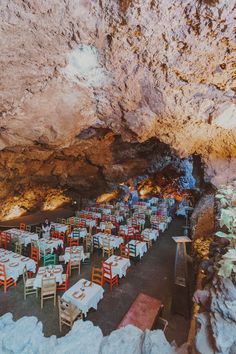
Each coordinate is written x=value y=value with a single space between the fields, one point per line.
x=74 y=242
x=49 y=285
x=3 y=240
x=96 y=242
x=28 y=228
x=22 y=226
x=34 y=254
x=18 y=247
x=25 y=274
x=49 y=259
x=2 y=271
x=61 y=236
x=107 y=271
x=124 y=252
x=97 y=275
x=38 y=230
x=76 y=233
x=139 y=237
x=132 y=249
x=34 y=243
x=82 y=224
x=63 y=221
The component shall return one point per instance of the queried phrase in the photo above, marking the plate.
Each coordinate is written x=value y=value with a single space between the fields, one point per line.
x=16 y=256
x=57 y=270
x=4 y=260
x=24 y=259
x=13 y=264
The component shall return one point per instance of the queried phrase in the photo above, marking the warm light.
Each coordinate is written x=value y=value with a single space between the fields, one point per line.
x=107 y=197
x=14 y=212
x=55 y=199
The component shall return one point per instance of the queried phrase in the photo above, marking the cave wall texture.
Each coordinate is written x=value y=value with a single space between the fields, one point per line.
x=91 y=91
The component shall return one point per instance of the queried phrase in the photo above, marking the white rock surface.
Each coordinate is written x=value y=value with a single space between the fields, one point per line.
x=25 y=336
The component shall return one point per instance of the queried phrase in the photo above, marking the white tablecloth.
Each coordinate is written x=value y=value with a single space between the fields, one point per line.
x=151 y=233
x=48 y=271
x=119 y=265
x=73 y=253
x=15 y=263
x=106 y=211
x=88 y=222
x=104 y=226
x=25 y=237
x=115 y=241
x=59 y=227
x=49 y=244
x=125 y=229
x=93 y=294
x=141 y=247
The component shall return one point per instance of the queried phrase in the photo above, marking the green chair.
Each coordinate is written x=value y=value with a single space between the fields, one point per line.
x=49 y=259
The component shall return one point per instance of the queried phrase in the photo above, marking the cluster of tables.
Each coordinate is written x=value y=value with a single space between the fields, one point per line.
x=84 y=294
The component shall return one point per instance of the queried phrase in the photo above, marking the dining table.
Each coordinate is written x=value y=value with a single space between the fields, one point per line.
x=47 y=272
x=49 y=245
x=74 y=253
x=115 y=241
x=25 y=237
x=15 y=263
x=119 y=265
x=59 y=227
x=84 y=295
x=141 y=247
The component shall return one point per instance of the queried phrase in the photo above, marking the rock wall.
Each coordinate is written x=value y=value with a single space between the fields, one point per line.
x=203 y=218
x=84 y=338
x=85 y=82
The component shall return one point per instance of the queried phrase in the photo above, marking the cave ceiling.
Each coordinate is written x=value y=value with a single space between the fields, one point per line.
x=93 y=92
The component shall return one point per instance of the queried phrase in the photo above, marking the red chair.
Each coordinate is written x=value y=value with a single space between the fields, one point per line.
x=22 y=227
x=65 y=277
x=35 y=256
x=4 y=279
x=124 y=251
x=3 y=240
x=74 y=242
x=139 y=237
x=107 y=275
x=82 y=224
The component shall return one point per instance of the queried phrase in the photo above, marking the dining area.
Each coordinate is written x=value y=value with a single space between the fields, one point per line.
x=79 y=277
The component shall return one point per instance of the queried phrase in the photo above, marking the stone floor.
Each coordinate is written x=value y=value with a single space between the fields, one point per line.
x=153 y=275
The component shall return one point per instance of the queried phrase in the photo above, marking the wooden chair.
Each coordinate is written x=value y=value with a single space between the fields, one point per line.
x=96 y=243
x=59 y=220
x=107 y=275
x=139 y=237
x=74 y=242
x=28 y=228
x=18 y=247
x=49 y=259
x=76 y=262
x=65 y=278
x=68 y=313
x=34 y=254
x=148 y=240
x=8 y=241
x=38 y=230
x=3 y=240
x=48 y=289
x=5 y=280
x=28 y=284
x=107 y=231
x=124 y=252
x=22 y=227
x=63 y=221
x=132 y=251
x=97 y=275
x=107 y=248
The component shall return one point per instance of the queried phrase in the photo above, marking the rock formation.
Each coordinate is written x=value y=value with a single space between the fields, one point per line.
x=91 y=89
x=83 y=338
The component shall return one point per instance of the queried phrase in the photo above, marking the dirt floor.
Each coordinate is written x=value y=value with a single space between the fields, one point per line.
x=153 y=275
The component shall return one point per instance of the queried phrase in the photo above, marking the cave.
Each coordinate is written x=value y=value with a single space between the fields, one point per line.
x=117 y=139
